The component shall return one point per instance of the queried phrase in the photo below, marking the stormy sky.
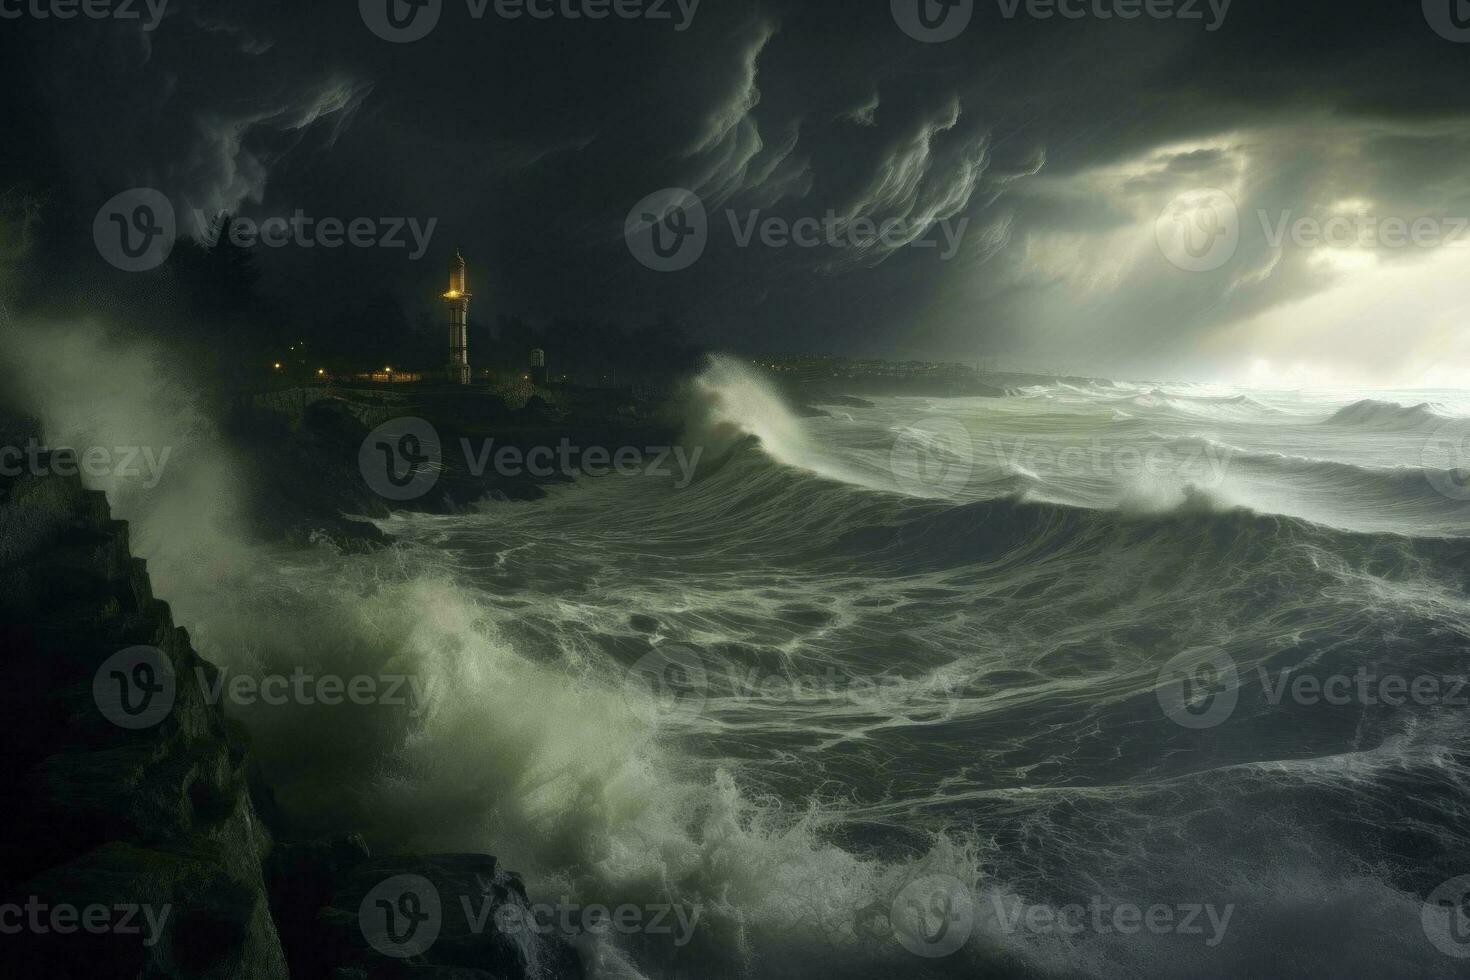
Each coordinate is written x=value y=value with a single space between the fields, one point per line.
x=1255 y=189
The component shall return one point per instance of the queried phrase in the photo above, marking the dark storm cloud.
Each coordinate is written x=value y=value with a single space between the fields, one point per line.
x=201 y=105
x=528 y=140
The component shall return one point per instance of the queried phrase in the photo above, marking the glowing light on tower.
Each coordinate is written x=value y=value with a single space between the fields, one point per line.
x=458 y=298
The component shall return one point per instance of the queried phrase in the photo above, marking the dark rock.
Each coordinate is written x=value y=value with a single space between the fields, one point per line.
x=305 y=484
x=153 y=830
x=302 y=878
x=101 y=816
x=473 y=916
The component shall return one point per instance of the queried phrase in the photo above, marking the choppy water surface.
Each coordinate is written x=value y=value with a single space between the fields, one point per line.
x=888 y=692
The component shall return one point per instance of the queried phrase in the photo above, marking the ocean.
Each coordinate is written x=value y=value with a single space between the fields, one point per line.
x=1095 y=679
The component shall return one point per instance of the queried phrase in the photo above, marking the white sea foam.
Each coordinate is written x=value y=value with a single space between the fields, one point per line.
x=1014 y=744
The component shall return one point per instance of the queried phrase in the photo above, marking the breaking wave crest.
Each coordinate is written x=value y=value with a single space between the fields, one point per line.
x=1014 y=745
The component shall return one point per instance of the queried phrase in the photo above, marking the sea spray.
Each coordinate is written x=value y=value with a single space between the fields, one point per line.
x=539 y=759
x=1017 y=753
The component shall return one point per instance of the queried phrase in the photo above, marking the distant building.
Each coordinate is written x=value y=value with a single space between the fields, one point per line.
x=538 y=367
x=458 y=299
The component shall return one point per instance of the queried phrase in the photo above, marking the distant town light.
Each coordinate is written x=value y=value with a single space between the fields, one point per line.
x=277 y=365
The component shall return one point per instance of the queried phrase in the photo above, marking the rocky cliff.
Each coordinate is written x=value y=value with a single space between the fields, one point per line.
x=138 y=841
x=304 y=447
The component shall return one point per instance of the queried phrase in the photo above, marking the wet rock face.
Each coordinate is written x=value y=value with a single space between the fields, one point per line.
x=132 y=842
x=131 y=845
x=345 y=913
x=306 y=480
x=304 y=476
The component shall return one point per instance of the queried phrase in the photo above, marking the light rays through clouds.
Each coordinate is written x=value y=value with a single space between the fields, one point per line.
x=1345 y=260
x=1054 y=147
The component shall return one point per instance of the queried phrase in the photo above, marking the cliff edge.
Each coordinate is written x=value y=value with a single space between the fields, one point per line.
x=135 y=844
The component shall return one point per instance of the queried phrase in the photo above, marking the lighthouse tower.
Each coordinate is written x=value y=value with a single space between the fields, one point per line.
x=458 y=298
